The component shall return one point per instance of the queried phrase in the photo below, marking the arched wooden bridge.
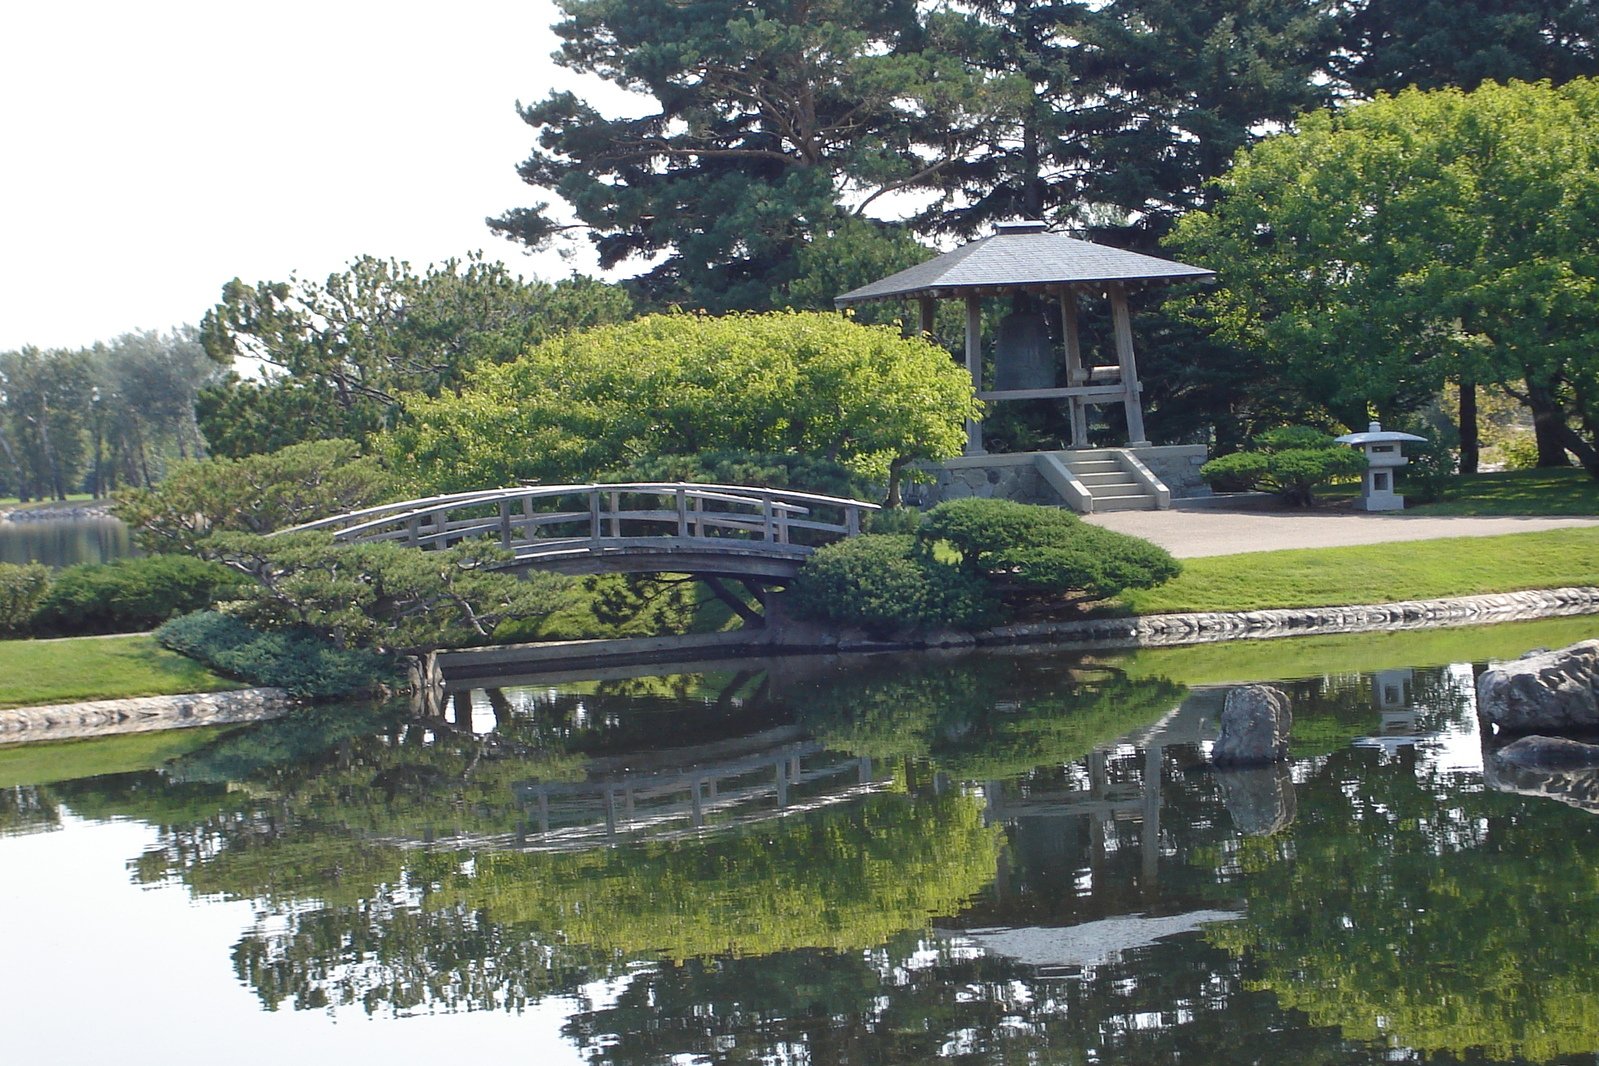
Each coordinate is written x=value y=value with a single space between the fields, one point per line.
x=755 y=535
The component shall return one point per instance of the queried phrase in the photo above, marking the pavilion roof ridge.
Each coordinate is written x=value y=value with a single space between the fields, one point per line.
x=1018 y=257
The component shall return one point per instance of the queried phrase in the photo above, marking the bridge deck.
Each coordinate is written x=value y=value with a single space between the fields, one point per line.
x=634 y=527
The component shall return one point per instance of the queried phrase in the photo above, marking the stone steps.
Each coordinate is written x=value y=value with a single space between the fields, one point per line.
x=1110 y=482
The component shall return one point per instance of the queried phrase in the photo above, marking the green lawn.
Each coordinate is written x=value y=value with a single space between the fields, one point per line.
x=96 y=668
x=1517 y=492
x=1376 y=573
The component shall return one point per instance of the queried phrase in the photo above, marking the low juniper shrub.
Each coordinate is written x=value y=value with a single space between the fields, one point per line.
x=296 y=660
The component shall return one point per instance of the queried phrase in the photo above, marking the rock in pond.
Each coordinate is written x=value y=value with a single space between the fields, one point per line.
x=1557 y=690
x=1255 y=722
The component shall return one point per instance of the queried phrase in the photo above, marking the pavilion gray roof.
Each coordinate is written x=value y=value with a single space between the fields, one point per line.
x=1018 y=256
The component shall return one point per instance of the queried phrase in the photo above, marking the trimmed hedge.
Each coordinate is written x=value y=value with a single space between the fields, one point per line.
x=130 y=595
x=299 y=661
x=885 y=582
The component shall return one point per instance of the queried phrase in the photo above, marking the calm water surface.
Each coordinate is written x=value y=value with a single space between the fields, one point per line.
x=64 y=541
x=974 y=859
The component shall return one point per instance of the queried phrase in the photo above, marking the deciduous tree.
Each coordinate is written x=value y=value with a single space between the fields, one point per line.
x=584 y=404
x=1375 y=252
x=341 y=354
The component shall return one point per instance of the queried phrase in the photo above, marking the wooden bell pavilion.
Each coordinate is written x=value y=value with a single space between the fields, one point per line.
x=1027 y=262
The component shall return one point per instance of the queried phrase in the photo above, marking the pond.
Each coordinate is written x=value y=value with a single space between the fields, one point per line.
x=59 y=542
x=973 y=858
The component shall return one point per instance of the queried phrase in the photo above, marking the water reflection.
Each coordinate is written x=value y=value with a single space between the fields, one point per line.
x=62 y=542
x=983 y=858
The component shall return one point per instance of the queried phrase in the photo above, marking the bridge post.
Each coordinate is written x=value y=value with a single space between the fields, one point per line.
x=594 y=515
x=682 y=512
x=766 y=517
x=616 y=515
x=505 y=524
x=852 y=520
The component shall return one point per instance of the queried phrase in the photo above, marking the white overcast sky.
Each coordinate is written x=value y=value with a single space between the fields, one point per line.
x=151 y=151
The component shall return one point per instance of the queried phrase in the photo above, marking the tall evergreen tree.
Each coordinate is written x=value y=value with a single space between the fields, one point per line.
x=765 y=125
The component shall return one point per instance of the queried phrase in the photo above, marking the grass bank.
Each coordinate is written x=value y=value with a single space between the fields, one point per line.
x=97 y=668
x=1376 y=573
x=1516 y=492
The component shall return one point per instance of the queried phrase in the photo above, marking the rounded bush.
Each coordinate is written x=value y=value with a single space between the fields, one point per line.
x=1025 y=548
x=884 y=583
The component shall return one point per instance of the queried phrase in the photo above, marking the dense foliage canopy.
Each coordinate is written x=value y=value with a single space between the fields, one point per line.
x=587 y=403
x=1375 y=252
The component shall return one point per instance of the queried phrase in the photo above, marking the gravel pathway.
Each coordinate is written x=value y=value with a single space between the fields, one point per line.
x=1189 y=533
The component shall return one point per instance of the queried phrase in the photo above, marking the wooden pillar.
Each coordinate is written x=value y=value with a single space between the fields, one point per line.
x=1076 y=373
x=974 y=364
x=925 y=309
x=1129 y=369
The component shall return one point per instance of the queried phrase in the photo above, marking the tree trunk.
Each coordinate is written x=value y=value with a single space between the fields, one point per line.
x=1470 y=439
x=1564 y=438
x=1547 y=422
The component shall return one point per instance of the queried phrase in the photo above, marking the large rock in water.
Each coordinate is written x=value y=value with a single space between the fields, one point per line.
x=1255 y=722
x=1556 y=690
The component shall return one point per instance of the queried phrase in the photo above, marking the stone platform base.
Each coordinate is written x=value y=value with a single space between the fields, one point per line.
x=1018 y=476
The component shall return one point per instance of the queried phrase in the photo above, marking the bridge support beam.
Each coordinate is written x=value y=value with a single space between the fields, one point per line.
x=751 y=618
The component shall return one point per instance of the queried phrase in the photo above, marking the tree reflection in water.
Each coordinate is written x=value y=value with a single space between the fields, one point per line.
x=1385 y=906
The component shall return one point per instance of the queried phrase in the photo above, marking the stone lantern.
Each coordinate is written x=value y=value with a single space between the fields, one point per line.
x=1384 y=454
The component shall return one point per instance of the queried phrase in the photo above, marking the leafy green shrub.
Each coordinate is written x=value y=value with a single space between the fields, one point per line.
x=886 y=583
x=131 y=594
x=22 y=586
x=1291 y=461
x=1429 y=471
x=293 y=659
x=1024 y=550
x=1518 y=451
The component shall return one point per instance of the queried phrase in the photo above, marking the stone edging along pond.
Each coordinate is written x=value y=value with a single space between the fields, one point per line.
x=1087 y=634
x=141 y=714
x=146 y=713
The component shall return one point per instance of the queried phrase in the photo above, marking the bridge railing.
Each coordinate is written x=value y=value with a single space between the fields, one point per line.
x=531 y=520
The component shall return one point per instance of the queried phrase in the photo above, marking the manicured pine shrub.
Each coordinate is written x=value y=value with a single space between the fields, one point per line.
x=129 y=595
x=1024 y=550
x=885 y=582
x=1292 y=461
